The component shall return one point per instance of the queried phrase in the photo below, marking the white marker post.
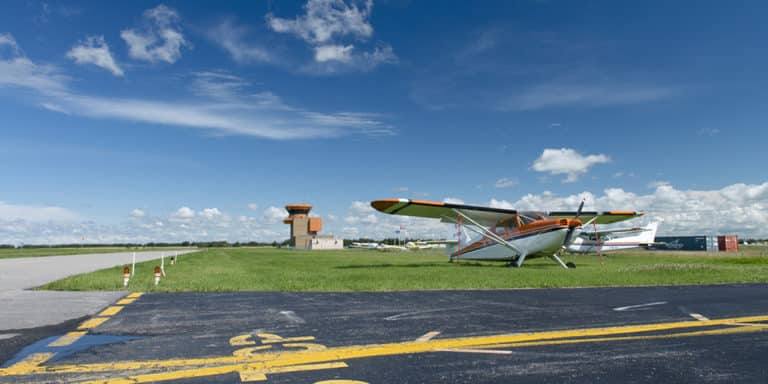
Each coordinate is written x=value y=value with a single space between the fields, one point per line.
x=133 y=264
x=162 y=263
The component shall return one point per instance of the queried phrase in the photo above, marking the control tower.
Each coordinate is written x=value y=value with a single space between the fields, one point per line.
x=305 y=230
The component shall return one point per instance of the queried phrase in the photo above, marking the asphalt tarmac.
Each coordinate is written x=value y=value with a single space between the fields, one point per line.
x=628 y=335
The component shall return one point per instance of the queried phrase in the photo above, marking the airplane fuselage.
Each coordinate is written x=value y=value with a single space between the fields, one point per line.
x=539 y=239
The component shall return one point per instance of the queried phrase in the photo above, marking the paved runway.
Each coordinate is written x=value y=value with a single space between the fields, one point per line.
x=23 y=310
x=629 y=335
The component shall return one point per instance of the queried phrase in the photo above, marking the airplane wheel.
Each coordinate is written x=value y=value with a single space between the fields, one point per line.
x=570 y=265
x=512 y=265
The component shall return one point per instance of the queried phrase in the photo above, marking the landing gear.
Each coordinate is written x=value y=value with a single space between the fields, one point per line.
x=570 y=265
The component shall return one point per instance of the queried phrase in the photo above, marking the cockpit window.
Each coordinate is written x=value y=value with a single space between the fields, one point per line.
x=529 y=217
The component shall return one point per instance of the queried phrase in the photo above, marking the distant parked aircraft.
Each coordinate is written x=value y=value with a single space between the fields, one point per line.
x=365 y=245
x=614 y=239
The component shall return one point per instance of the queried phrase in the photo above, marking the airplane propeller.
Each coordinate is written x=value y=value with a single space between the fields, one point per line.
x=569 y=234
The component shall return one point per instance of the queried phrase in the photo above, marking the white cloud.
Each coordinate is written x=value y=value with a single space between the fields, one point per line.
x=739 y=208
x=35 y=213
x=7 y=40
x=453 y=200
x=231 y=38
x=210 y=213
x=253 y=206
x=137 y=213
x=340 y=53
x=566 y=161
x=94 y=50
x=160 y=38
x=506 y=182
x=584 y=95
x=326 y=19
x=223 y=105
x=329 y=27
x=274 y=215
x=183 y=214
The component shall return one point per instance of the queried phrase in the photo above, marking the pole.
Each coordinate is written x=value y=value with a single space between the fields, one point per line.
x=458 y=243
x=162 y=263
x=597 y=243
x=133 y=264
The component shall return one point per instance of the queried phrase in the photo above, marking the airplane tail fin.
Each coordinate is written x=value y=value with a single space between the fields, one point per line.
x=649 y=236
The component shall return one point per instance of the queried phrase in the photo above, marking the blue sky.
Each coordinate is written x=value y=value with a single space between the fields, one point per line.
x=171 y=120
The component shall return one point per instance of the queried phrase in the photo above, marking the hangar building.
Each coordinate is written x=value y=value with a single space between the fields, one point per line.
x=305 y=230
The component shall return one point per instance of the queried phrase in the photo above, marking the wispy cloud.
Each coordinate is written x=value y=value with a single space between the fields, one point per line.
x=566 y=161
x=232 y=38
x=506 y=182
x=35 y=213
x=220 y=103
x=708 y=132
x=583 y=95
x=160 y=37
x=94 y=50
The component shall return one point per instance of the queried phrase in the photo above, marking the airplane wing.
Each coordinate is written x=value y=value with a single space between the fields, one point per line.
x=444 y=211
x=607 y=217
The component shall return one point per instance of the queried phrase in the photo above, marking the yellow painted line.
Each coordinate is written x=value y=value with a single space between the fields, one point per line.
x=67 y=339
x=125 y=301
x=111 y=311
x=134 y=295
x=29 y=362
x=271 y=360
x=468 y=350
x=93 y=322
x=222 y=370
x=427 y=336
x=714 y=332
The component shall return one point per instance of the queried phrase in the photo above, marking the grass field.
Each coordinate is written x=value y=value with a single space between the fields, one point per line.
x=269 y=269
x=6 y=253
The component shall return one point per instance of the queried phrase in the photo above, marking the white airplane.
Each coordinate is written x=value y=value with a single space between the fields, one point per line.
x=391 y=248
x=614 y=239
x=505 y=234
x=364 y=245
x=426 y=245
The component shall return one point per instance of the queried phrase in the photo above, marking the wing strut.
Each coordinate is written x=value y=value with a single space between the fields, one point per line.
x=490 y=234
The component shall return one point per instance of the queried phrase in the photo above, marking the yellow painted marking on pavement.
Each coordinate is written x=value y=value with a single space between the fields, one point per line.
x=212 y=371
x=341 y=382
x=427 y=336
x=125 y=301
x=134 y=295
x=698 y=317
x=111 y=311
x=67 y=339
x=93 y=322
x=241 y=340
x=285 y=359
x=468 y=350
x=714 y=332
x=29 y=362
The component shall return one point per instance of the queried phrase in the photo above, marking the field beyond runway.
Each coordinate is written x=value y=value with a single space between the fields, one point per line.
x=270 y=269
x=650 y=334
